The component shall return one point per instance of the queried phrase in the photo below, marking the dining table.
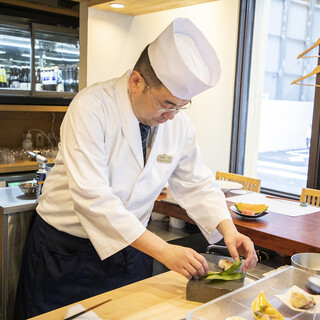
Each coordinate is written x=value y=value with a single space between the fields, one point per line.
x=286 y=235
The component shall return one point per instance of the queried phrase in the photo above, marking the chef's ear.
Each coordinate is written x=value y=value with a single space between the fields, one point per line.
x=136 y=81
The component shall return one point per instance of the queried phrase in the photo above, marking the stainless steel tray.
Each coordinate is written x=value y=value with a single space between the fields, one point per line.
x=238 y=302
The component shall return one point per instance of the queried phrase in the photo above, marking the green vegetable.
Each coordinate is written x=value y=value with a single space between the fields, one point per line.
x=228 y=274
x=227 y=277
x=233 y=268
x=263 y=307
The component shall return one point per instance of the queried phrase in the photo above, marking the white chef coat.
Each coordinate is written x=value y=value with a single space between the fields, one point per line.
x=99 y=187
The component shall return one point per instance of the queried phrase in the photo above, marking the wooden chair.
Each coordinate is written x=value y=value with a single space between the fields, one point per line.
x=311 y=196
x=250 y=184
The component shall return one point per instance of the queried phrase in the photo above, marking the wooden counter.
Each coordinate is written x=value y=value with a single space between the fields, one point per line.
x=162 y=297
x=283 y=234
x=19 y=166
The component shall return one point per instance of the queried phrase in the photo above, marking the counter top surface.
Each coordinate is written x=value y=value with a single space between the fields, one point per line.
x=161 y=297
x=12 y=199
x=19 y=166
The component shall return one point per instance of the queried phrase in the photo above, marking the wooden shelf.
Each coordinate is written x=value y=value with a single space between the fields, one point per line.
x=17 y=107
x=139 y=7
x=19 y=166
x=63 y=11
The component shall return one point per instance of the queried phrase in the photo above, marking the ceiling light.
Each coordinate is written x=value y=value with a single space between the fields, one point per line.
x=117 y=5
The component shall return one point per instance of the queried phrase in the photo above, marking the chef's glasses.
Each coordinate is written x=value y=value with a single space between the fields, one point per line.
x=163 y=109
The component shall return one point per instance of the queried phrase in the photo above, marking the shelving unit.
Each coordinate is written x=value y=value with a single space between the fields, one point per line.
x=28 y=108
x=18 y=121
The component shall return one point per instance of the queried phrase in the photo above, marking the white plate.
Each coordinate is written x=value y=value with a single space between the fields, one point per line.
x=239 y=191
x=228 y=185
x=285 y=298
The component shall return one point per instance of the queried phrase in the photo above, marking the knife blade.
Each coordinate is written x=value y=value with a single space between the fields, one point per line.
x=87 y=310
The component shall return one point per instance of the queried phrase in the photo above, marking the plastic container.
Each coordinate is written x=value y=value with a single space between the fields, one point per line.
x=238 y=303
x=27 y=142
x=176 y=223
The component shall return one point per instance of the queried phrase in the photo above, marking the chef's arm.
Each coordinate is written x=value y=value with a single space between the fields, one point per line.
x=238 y=244
x=183 y=260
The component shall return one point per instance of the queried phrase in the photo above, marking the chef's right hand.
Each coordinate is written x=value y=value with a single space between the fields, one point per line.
x=185 y=261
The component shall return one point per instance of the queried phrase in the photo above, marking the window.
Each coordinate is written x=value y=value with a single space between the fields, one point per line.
x=56 y=60
x=38 y=60
x=277 y=120
x=15 y=57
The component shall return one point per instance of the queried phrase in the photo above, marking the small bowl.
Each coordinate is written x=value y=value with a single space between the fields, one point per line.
x=314 y=284
x=308 y=261
x=28 y=188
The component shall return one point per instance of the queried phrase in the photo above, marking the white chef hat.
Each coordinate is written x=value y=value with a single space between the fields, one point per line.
x=183 y=59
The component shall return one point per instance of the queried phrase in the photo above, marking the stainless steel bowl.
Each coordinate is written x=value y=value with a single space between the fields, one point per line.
x=28 y=188
x=308 y=261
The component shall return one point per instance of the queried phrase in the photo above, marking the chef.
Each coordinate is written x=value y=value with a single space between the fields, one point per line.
x=122 y=141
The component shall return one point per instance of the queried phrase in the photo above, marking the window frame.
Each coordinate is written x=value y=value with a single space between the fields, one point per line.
x=314 y=155
x=241 y=89
x=241 y=101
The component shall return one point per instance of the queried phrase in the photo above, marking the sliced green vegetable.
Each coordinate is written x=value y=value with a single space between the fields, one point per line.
x=228 y=274
x=233 y=268
x=210 y=273
x=226 y=277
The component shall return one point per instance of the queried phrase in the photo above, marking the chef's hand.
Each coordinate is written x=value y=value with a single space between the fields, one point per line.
x=183 y=260
x=238 y=244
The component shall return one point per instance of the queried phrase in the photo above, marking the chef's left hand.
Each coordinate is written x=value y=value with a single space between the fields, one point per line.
x=238 y=244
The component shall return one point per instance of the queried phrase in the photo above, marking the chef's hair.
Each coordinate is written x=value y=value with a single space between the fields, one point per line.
x=143 y=66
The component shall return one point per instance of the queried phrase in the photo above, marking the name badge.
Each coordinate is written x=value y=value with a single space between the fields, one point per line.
x=164 y=158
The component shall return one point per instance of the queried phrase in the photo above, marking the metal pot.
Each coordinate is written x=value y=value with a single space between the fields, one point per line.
x=308 y=261
x=28 y=188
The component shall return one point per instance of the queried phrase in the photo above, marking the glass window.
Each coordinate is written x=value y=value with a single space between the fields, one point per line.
x=15 y=57
x=38 y=60
x=280 y=113
x=56 y=62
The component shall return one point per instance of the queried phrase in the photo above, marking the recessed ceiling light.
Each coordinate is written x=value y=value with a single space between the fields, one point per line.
x=117 y=5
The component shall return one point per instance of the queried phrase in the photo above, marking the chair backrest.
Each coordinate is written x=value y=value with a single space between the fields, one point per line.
x=311 y=196
x=250 y=184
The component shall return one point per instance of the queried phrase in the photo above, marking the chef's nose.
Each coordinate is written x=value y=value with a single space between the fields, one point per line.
x=169 y=115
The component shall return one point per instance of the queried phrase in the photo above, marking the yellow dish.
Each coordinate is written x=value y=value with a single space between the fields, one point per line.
x=263 y=310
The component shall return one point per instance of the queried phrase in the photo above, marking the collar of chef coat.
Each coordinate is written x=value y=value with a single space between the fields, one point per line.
x=130 y=124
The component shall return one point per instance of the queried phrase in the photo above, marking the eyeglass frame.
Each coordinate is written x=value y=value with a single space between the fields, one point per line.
x=160 y=107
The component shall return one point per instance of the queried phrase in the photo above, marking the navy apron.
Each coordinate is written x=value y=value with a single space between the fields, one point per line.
x=59 y=269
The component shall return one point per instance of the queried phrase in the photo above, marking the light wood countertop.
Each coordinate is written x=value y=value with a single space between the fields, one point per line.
x=18 y=166
x=161 y=297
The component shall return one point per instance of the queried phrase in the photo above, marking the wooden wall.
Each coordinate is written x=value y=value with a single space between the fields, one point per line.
x=14 y=123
